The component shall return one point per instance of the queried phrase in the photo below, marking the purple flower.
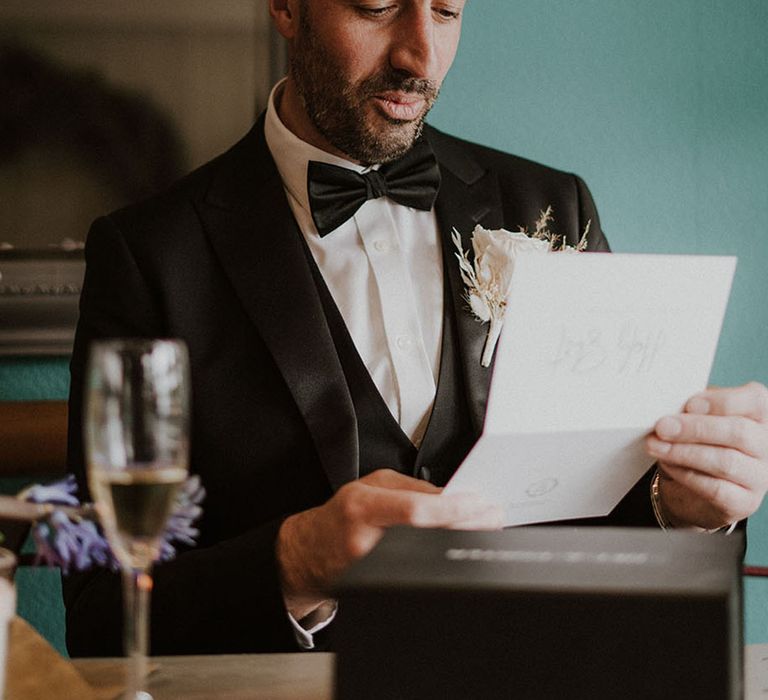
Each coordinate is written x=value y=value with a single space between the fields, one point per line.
x=59 y=492
x=71 y=543
x=186 y=510
x=78 y=542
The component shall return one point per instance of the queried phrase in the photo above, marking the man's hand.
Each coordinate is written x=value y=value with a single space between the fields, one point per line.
x=714 y=457
x=315 y=546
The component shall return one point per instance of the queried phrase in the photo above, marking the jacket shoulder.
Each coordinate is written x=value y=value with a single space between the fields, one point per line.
x=524 y=188
x=235 y=172
x=455 y=153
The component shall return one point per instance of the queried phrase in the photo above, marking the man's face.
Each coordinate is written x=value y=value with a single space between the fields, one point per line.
x=367 y=72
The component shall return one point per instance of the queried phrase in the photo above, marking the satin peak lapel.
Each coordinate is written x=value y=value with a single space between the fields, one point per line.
x=256 y=238
x=469 y=195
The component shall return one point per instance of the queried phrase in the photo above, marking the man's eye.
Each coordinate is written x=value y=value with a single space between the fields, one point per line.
x=447 y=13
x=374 y=11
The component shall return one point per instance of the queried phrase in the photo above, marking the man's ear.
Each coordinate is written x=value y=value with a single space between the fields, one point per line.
x=285 y=15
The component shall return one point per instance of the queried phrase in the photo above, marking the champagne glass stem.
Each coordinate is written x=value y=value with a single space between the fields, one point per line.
x=137 y=584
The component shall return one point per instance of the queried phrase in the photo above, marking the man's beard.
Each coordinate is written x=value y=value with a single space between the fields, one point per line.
x=339 y=109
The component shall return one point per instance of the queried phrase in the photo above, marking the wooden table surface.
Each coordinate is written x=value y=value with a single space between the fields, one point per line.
x=306 y=676
x=756 y=672
x=290 y=676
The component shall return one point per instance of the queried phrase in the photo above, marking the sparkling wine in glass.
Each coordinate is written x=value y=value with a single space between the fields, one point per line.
x=136 y=438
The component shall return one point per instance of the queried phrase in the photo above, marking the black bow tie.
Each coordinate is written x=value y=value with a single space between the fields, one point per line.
x=336 y=193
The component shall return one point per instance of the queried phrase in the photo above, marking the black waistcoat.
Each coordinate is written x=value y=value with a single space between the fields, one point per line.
x=382 y=443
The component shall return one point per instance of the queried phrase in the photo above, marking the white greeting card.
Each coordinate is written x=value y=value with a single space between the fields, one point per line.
x=595 y=349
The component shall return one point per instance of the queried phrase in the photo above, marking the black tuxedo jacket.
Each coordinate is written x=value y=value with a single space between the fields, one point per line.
x=218 y=260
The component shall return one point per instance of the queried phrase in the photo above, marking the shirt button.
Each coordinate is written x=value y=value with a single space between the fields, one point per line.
x=382 y=246
x=404 y=342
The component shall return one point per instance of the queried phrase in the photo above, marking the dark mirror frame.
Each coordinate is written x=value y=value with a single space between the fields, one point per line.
x=39 y=294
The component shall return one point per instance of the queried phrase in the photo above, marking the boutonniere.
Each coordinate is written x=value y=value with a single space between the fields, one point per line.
x=489 y=278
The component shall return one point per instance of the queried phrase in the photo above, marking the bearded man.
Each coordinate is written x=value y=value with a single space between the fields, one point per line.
x=336 y=373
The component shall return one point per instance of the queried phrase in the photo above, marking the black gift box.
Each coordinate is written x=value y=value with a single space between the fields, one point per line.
x=542 y=613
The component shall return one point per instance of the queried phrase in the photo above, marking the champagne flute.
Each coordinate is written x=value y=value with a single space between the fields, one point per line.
x=136 y=441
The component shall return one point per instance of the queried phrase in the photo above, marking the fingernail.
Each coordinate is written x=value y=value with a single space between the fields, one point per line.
x=668 y=427
x=657 y=447
x=697 y=405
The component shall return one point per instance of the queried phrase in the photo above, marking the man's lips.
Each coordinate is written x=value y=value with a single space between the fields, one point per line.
x=400 y=106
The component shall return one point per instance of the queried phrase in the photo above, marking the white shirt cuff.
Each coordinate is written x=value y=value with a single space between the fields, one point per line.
x=319 y=619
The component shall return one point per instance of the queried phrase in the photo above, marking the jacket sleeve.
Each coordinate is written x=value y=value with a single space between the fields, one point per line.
x=222 y=598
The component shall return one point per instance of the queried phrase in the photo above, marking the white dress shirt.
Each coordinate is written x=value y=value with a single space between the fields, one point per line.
x=383 y=269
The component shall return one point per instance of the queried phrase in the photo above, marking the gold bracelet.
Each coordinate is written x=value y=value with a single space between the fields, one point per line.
x=656 y=502
x=658 y=512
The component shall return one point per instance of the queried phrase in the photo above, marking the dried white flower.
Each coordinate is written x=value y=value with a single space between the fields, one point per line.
x=489 y=278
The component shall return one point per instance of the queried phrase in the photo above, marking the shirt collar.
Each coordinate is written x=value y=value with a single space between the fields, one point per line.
x=291 y=154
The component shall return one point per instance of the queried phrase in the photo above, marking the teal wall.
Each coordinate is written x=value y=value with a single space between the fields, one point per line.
x=30 y=379
x=39 y=599
x=662 y=107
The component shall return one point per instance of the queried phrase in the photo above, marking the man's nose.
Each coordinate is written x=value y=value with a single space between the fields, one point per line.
x=413 y=47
